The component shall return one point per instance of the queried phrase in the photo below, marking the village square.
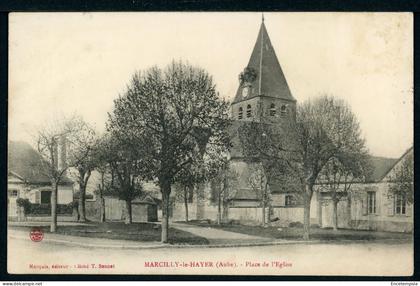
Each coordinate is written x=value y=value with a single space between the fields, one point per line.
x=177 y=166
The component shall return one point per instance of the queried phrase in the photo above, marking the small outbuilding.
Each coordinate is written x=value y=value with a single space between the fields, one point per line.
x=144 y=209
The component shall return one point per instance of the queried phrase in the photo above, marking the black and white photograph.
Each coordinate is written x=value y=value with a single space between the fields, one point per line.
x=210 y=143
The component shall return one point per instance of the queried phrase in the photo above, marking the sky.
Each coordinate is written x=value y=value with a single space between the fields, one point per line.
x=66 y=63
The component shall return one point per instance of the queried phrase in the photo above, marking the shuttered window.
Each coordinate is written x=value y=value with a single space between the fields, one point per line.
x=283 y=110
x=290 y=200
x=37 y=197
x=248 y=111
x=371 y=202
x=272 y=109
x=240 y=113
x=400 y=203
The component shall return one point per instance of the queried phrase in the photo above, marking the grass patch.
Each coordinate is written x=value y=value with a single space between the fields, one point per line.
x=145 y=232
x=295 y=233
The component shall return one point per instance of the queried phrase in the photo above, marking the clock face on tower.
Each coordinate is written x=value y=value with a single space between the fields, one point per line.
x=245 y=91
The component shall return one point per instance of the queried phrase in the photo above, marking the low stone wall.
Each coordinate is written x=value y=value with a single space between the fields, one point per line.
x=246 y=215
x=92 y=210
x=48 y=218
x=205 y=211
x=381 y=225
x=115 y=210
x=288 y=215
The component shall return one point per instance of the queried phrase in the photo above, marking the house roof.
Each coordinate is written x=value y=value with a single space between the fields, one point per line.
x=25 y=162
x=406 y=153
x=381 y=166
x=147 y=199
x=270 y=80
x=245 y=194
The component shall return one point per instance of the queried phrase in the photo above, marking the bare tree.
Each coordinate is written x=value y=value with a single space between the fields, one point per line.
x=102 y=165
x=401 y=181
x=52 y=140
x=223 y=183
x=259 y=182
x=128 y=169
x=81 y=156
x=305 y=144
x=186 y=184
x=338 y=176
x=170 y=109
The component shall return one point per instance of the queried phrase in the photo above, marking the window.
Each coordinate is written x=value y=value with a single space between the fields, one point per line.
x=400 y=202
x=45 y=197
x=37 y=197
x=248 y=111
x=283 y=110
x=240 y=113
x=272 y=109
x=13 y=193
x=371 y=202
x=290 y=200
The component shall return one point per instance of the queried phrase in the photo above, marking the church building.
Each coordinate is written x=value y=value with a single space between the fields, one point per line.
x=263 y=93
x=264 y=96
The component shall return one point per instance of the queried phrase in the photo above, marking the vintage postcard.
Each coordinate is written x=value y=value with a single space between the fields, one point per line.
x=210 y=143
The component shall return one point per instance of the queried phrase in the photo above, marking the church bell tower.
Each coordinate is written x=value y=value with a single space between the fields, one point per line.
x=263 y=91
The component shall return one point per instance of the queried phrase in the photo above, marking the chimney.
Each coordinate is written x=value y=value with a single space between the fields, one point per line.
x=61 y=151
x=55 y=154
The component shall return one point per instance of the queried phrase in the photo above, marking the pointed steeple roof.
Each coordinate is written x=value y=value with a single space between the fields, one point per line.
x=270 y=80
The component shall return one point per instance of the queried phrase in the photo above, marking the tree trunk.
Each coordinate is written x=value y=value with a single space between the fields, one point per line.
x=166 y=191
x=53 y=227
x=335 y=218
x=263 y=211
x=307 y=212
x=219 y=208
x=186 y=203
x=225 y=211
x=76 y=215
x=349 y=210
x=101 y=188
x=263 y=215
x=319 y=210
x=21 y=213
x=306 y=221
x=128 y=215
x=82 y=200
x=102 y=211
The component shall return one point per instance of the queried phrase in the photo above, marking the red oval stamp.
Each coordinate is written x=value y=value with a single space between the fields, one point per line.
x=36 y=234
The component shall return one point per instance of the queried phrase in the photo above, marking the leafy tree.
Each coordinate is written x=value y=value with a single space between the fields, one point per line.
x=169 y=115
x=304 y=143
x=401 y=181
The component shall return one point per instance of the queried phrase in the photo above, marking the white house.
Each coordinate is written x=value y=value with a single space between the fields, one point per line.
x=26 y=180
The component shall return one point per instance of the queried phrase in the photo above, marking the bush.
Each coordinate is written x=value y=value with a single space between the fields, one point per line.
x=234 y=222
x=295 y=224
x=24 y=203
x=45 y=209
x=74 y=204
